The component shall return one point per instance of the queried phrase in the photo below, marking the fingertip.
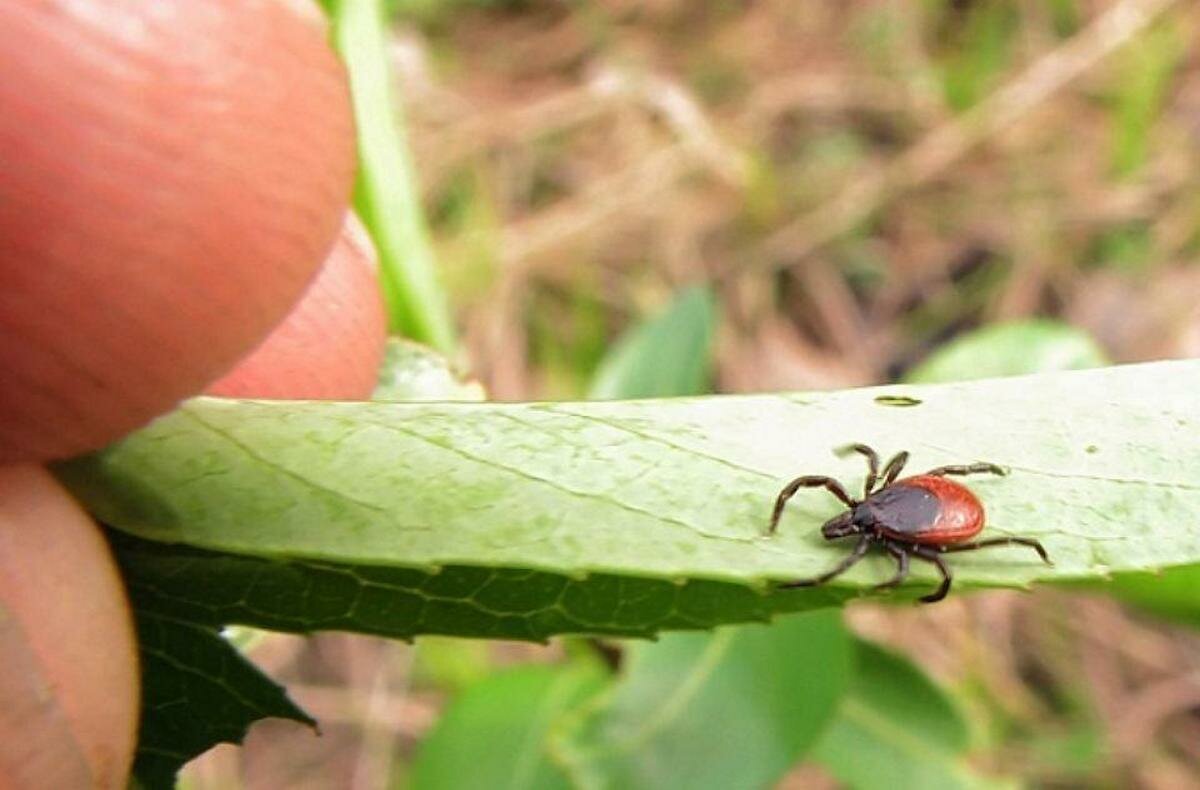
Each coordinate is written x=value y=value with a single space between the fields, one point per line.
x=75 y=652
x=174 y=173
x=331 y=345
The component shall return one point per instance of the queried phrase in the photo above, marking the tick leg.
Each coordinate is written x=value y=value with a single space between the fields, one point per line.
x=967 y=469
x=860 y=549
x=892 y=470
x=983 y=544
x=901 y=567
x=808 y=481
x=872 y=465
x=931 y=555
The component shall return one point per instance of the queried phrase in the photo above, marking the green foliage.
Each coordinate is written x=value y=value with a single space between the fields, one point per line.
x=1011 y=349
x=495 y=733
x=1126 y=247
x=895 y=728
x=526 y=521
x=197 y=691
x=212 y=588
x=386 y=194
x=653 y=496
x=449 y=664
x=568 y=333
x=1070 y=757
x=668 y=356
x=771 y=690
x=981 y=48
x=1064 y=15
x=1170 y=593
x=1149 y=65
x=470 y=234
x=763 y=203
x=1030 y=346
x=731 y=709
x=622 y=518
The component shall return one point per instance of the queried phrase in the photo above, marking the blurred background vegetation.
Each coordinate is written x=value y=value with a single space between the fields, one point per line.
x=668 y=197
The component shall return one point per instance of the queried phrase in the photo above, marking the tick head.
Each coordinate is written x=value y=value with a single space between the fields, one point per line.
x=840 y=526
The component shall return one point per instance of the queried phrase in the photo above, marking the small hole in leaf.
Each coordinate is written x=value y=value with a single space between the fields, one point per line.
x=898 y=400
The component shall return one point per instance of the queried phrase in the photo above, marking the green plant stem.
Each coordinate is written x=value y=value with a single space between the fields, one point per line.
x=386 y=194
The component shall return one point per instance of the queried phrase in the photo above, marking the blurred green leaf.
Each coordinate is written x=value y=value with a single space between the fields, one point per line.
x=1126 y=247
x=895 y=728
x=494 y=734
x=1078 y=755
x=568 y=335
x=197 y=691
x=469 y=235
x=1010 y=349
x=386 y=194
x=1064 y=15
x=731 y=709
x=663 y=357
x=1173 y=593
x=451 y=665
x=526 y=520
x=1147 y=67
x=762 y=195
x=980 y=52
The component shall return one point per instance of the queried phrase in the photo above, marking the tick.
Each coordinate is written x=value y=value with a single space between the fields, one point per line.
x=924 y=516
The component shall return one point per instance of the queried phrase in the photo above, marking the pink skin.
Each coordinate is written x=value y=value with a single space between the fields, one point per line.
x=174 y=174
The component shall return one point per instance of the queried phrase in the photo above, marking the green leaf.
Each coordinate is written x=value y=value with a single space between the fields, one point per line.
x=982 y=50
x=501 y=722
x=215 y=588
x=895 y=728
x=1011 y=349
x=197 y=691
x=1173 y=593
x=664 y=357
x=449 y=665
x=731 y=709
x=1147 y=68
x=1032 y=346
x=386 y=194
x=702 y=677
x=525 y=520
x=494 y=734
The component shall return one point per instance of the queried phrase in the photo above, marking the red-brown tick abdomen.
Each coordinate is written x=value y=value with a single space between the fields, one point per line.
x=959 y=513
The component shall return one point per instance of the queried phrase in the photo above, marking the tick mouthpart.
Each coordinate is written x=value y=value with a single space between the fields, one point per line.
x=839 y=526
